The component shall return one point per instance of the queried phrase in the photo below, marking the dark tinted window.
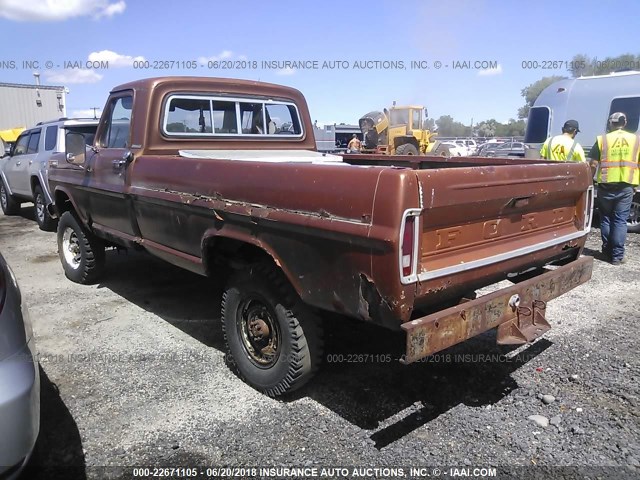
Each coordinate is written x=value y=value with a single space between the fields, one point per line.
x=537 y=125
x=34 y=140
x=631 y=108
x=50 y=137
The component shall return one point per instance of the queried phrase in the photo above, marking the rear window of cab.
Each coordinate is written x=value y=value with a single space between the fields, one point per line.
x=209 y=116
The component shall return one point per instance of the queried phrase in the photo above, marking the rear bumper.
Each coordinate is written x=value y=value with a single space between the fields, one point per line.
x=517 y=310
x=19 y=410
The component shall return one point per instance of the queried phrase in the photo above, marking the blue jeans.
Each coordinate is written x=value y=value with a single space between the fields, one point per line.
x=614 y=206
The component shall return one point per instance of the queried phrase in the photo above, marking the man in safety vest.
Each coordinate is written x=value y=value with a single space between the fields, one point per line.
x=564 y=147
x=615 y=158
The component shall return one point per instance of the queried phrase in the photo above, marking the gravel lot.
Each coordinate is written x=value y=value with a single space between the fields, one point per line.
x=133 y=373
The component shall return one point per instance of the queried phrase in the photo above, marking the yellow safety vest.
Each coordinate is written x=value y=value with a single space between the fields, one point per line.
x=619 y=158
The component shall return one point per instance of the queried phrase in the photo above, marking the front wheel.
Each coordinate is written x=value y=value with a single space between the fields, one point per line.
x=9 y=205
x=81 y=252
x=407 y=149
x=45 y=221
x=273 y=340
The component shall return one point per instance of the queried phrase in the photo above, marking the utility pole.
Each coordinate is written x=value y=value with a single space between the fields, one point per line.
x=95 y=109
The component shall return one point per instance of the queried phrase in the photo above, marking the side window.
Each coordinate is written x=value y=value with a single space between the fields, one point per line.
x=117 y=129
x=50 y=137
x=415 y=120
x=189 y=115
x=21 y=144
x=284 y=119
x=537 y=125
x=34 y=141
x=224 y=117
x=631 y=108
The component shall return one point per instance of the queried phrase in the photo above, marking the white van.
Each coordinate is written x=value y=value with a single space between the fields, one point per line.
x=590 y=101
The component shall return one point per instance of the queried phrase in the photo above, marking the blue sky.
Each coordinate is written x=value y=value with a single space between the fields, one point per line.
x=504 y=32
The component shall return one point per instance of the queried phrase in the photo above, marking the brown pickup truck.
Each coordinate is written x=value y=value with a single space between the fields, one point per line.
x=221 y=177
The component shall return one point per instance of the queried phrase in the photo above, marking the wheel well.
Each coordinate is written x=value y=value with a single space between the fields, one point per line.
x=34 y=182
x=62 y=203
x=231 y=254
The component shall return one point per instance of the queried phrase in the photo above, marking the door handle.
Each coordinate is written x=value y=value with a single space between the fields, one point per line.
x=118 y=163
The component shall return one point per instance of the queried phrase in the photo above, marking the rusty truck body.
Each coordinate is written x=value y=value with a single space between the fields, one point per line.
x=221 y=177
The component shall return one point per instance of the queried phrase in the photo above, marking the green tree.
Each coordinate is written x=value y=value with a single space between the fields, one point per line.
x=430 y=124
x=487 y=128
x=531 y=92
x=450 y=128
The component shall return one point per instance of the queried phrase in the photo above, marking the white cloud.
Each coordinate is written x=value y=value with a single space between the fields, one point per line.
x=491 y=71
x=73 y=76
x=114 y=59
x=58 y=10
x=87 y=113
x=286 y=71
x=224 y=55
x=112 y=9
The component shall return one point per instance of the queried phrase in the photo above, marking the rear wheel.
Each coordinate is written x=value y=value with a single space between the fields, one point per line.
x=633 y=222
x=9 y=205
x=81 y=252
x=273 y=340
x=407 y=149
x=45 y=221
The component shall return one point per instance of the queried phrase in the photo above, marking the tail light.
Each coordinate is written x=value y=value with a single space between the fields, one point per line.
x=588 y=211
x=409 y=245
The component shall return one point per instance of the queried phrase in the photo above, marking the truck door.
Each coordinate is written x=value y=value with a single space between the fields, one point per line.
x=19 y=164
x=110 y=208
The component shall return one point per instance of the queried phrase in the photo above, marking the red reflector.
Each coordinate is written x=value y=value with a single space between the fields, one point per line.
x=407 y=246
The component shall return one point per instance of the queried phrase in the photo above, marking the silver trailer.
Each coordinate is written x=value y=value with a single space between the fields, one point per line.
x=590 y=101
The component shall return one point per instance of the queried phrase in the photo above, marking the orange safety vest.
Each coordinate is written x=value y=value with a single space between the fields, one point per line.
x=619 y=158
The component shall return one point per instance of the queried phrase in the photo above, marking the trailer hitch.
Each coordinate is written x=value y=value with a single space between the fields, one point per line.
x=528 y=324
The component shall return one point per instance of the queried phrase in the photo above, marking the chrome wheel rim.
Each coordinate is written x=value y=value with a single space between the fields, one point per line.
x=71 y=248
x=40 y=208
x=259 y=332
x=3 y=197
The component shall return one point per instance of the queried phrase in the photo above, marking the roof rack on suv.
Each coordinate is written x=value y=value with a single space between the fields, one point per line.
x=51 y=121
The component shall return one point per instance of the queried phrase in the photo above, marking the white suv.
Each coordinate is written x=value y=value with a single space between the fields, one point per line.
x=23 y=173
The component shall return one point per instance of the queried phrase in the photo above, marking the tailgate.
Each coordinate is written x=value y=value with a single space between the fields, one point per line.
x=472 y=217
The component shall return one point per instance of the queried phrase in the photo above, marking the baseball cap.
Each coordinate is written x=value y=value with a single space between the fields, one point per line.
x=571 y=125
x=618 y=117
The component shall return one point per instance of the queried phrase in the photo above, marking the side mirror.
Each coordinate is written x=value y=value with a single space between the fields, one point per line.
x=75 y=149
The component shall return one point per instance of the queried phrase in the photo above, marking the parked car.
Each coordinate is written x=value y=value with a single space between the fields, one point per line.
x=509 y=149
x=484 y=149
x=455 y=150
x=19 y=379
x=23 y=173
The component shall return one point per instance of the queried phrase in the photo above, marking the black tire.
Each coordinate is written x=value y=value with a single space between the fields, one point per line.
x=45 y=221
x=274 y=342
x=633 y=222
x=407 y=149
x=81 y=252
x=9 y=205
